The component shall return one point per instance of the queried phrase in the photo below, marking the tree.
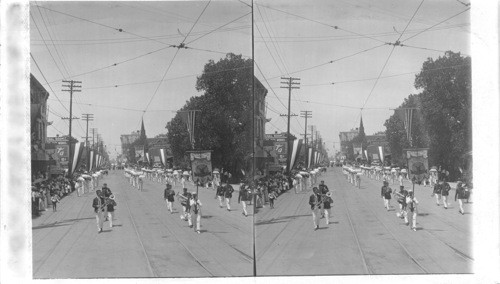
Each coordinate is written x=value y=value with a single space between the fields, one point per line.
x=444 y=121
x=446 y=106
x=223 y=123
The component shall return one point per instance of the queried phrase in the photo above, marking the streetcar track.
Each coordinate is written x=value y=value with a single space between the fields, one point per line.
x=51 y=251
x=363 y=257
x=419 y=265
x=148 y=261
x=279 y=234
x=186 y=247
x=458 y=252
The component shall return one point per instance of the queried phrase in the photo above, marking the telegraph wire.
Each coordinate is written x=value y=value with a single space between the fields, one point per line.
x=217 y=28
x=38 y=67
x=406 y=39
x=173 y=58
x=383 y=77
x=114 y=64
x=396 y=43
x=322 y=23
x=106 y=26
x=331 y=61
x=128 y=39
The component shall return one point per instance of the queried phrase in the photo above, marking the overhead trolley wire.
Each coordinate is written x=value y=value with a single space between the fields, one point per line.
x=408 y=38
x=217 y=28
x=390 y=54
x=104 y=25
x=332 y=61
x=322 y=23
x=114 y=64
x=383 y=77
x=173 y=58
x=39 y=69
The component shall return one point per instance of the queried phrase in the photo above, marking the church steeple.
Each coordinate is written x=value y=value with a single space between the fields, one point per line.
x=361 y=131
x=143 y=131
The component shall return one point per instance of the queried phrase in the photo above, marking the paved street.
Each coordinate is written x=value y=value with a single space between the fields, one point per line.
x=146 y=240
x=363 y=237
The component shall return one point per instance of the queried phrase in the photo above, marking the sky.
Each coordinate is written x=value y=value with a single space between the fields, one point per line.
x=289 y=36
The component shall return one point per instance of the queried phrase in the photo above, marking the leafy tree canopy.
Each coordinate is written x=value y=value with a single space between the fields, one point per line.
x=223 y=123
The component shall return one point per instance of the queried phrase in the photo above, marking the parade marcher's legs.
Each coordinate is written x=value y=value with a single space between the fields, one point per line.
x=445 y=201
x=100 y=220
x=228 y=203
x=438 y=197
x=244 y=204
x=110 y=218
x=327 y=215
x=315 y=215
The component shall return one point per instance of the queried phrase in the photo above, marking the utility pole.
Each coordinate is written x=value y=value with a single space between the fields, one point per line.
x=72 y=88
x=87 y=117
x=94 y=130
x=305 y=114
x=289 y=84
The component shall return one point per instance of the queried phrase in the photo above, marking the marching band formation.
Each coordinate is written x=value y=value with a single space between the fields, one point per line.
x=406 y=199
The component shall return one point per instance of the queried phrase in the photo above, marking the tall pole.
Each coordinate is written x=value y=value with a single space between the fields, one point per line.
x=305 y=114
x=289 y=84
x=72 y=88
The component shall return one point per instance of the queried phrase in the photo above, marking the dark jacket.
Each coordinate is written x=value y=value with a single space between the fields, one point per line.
x=95 y=203
x=460 y=193
x=324 y=189
x=111 y=206
x=313 y=200
x=437 y=189
x=445 y=189
x=169 y=195
x=228 y=193
x=327 y=204
x=220 y=191
x=106 y=191
x=386 y=192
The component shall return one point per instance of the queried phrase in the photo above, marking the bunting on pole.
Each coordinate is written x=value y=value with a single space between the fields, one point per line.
x=147 y=158
x=406 y=115
x=366 y=154
x=381 y=153
x=77 y=156
x=189 y=118
x=162 y=157
x=309 y=157
x=297 y=143
x=91 y=160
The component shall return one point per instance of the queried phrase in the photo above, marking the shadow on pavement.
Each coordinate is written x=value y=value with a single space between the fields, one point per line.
x=280 y=220
x=50 y=226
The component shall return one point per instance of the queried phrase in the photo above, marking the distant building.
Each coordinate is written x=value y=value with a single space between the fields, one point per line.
x=260 y=93
x=345 y=137
x=154 y=146
x=128 y=139
x=38 y=118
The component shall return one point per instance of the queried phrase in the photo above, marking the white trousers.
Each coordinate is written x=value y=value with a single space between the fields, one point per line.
x=99 y=216
x=315 y=215
x=111 y=215
x=461 y=204
x=414 y=218
x=169 y=205
x=327 y=215
x=220 y=197
x=445 y=201
x=228 y=203
x=197 y=220
x=244 y=204
x=438 y=197
x=387 y=203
